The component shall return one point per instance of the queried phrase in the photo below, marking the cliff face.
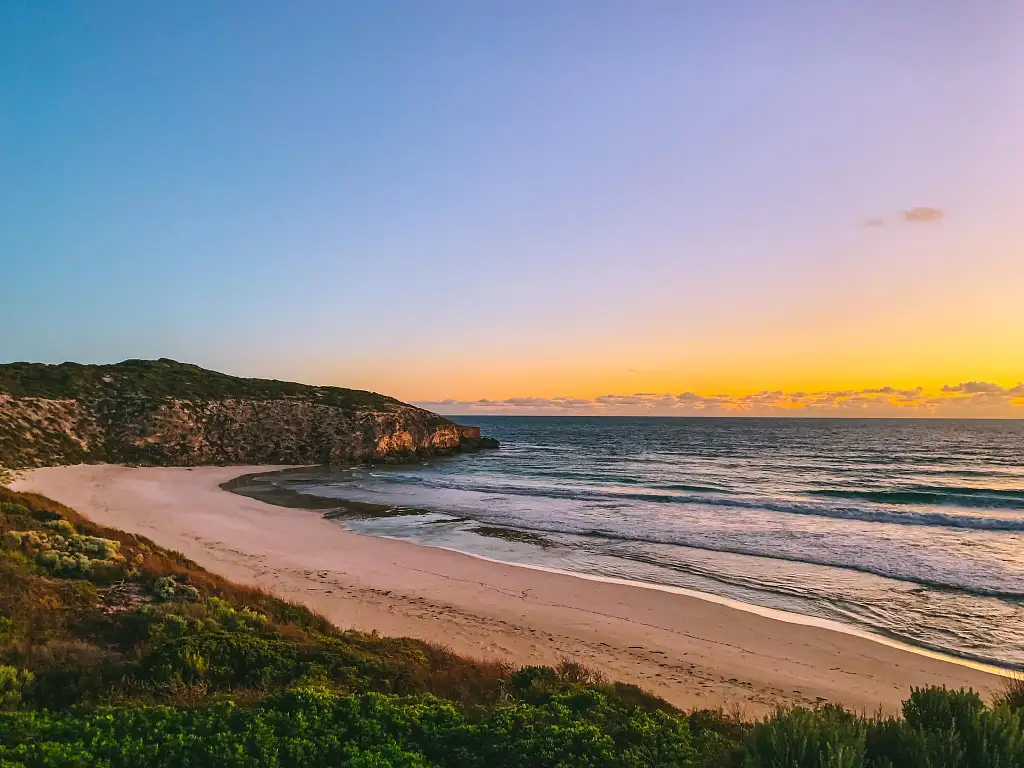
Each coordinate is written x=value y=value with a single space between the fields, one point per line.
x=167 y=413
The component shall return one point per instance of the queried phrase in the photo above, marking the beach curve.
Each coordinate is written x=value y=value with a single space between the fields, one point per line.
x=692 y=651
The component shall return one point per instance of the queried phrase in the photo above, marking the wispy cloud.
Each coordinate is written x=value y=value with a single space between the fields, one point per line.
x=975 y=388
x=970 y=398
x=923 y=214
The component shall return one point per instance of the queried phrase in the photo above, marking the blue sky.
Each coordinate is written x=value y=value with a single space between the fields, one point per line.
x=489 y=200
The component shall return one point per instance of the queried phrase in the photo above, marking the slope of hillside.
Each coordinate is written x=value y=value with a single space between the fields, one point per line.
x=168 y=413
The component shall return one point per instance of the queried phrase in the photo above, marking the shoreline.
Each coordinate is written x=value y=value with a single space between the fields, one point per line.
x=776 y=614
x=693 y=649
x=331 y=508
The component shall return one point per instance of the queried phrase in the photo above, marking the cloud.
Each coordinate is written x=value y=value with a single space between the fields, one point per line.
x=974 y=388
x=969 y=398
x=450 y=405
x=985 y=393
x=875 y=221
x=923 y=214
x=645 y=400
x=702 y=401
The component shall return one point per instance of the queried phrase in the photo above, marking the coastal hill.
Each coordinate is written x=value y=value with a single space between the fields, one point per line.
x=162 y=412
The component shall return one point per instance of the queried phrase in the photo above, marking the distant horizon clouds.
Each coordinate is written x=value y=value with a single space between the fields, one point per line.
x=970 y=399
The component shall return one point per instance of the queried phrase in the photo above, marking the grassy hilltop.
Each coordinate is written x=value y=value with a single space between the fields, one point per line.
x=164 y=378
x=116 y=652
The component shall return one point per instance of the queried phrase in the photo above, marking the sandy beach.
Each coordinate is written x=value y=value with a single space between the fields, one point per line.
x=691 y=651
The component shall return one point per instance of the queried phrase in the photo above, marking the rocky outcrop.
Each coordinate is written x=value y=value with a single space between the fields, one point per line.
x=167 y=413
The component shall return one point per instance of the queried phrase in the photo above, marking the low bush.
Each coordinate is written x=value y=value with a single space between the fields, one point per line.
x=311 y=728
x=828 y=737
x=953 y=729
x=1013 y=693
x=13 y=682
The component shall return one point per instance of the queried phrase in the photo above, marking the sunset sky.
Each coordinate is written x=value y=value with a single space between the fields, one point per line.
x=527 y=207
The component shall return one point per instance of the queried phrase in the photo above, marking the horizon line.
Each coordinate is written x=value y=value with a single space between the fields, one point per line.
x=775 y=417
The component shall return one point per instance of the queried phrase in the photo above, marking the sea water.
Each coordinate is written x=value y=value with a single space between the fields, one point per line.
x=912 y=529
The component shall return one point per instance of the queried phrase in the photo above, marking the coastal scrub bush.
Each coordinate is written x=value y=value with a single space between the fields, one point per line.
x=1013 y=693
x=61 y=527
x=311 y=728
x=13 y=681
x=61 y=551
x=93 y=547
x=10 y=508
x=953 y=729
x=167 y=588
x=8 y=632
x=828 y=737
x=718 y=737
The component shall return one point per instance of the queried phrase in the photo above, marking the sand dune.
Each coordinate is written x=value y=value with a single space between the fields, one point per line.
x=691 y=651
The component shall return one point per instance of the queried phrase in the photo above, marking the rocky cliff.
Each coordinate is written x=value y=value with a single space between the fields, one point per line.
x=168 y=413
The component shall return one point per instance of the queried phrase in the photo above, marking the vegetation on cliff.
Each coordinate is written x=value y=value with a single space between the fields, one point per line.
x=164 y=378
x=116 y=652
x=165 y=412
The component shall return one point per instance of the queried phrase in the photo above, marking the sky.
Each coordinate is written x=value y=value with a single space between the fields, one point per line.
x=764 y=207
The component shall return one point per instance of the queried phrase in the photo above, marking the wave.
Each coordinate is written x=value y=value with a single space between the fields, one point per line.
x=715 y=497
x=1013 y=472
x=688 y=487
x=991 y=498
x=809 y=559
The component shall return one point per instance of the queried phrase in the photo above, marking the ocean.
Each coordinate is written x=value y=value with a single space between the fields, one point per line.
x=909 y=529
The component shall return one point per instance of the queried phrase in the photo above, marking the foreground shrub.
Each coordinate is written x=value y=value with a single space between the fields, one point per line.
x=1013 y=693
x=829 y=737
x=13 y=682
x=310 y=728
x=952 y=729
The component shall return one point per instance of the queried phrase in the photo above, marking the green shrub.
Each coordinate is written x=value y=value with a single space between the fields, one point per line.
x=167 y=588
x=718 y=737
x=311 y=728
x=1013 y=693
x=10 y=508
x=59 y=550
x=94 y=547
x=44 y=515
x=952 y=729
x=829 y=737
x=939 y=709
x=62 y=528
x=13 y=682
x=8 y=632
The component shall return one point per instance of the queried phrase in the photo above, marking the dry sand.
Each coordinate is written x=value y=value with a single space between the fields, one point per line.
x=691 y=651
